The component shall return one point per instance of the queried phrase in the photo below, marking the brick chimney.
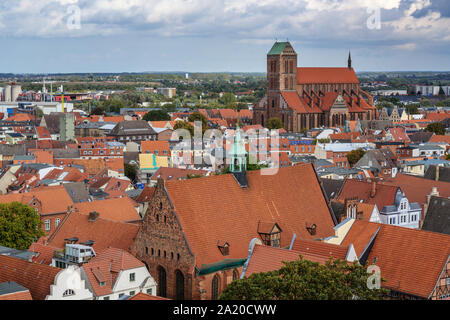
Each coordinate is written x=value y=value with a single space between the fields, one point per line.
x=373 y=191
x=437 y=173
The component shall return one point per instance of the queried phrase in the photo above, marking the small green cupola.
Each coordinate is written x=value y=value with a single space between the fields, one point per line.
x=238 y=155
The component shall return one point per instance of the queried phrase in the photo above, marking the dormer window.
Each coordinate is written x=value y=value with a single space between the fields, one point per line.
x=270 y=233
x=224 y=247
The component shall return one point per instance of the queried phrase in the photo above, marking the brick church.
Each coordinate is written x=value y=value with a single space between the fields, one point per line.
x=305 y=98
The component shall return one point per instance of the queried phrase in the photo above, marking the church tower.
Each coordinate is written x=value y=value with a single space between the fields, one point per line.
x=281 y=75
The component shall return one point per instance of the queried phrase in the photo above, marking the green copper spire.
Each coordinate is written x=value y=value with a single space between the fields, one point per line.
x=238 y=153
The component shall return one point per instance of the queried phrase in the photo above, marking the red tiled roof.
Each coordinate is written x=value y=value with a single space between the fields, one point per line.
x=267 y=258
x=106 y=266
x=46 y=197
x=104 y=233
x=44 y=254
x=43 y=133
x=146 y=195
x=175 y=173
x=410 y=260
x=115 y=209
x=35 y=277
x=320 y=248
x=326 y=75
x=152 y=146
x=144 y=296
x=416 y=189
x=438 y=116
x=265 y=199
x=440 y=138
x=22 y=295
x=293 y=100
x=384 y=196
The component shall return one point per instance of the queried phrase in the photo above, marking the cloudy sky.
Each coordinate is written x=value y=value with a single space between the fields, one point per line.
x=229 y=35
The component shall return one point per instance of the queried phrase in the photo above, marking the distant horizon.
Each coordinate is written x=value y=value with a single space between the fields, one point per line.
x=201 y=72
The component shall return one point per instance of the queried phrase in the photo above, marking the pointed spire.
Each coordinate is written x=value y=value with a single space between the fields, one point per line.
x=349 y=59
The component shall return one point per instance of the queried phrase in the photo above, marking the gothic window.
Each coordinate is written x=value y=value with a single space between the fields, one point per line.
x=162 y=282
x=235 y=274
x=215 y=288
x=286 y=84
x=179 y=285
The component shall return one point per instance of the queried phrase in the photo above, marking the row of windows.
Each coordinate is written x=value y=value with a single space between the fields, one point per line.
x=111 y=151
x=134 y=138
x=303 y=149
x=153 y=252
x=403 y=219
x=48 y=226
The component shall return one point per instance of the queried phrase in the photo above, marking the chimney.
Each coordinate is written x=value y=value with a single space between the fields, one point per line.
x=93 y=216
x=373 y=191
x=437 y=173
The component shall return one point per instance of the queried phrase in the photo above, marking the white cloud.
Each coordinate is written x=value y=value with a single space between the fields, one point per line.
x=257 y=21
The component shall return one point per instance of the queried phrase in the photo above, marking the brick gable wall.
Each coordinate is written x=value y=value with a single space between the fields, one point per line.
x=162 y=232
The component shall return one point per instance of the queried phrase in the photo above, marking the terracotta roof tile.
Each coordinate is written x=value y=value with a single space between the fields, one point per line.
x=326 y=75
x=104 y=233
x=116 y=209
x=384 y=196
x=105 y=268
x=144 y=296
x=266 y=199
x=36 y=277
x=409 y=259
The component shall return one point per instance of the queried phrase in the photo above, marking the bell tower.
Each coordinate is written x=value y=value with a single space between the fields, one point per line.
x=281 y=75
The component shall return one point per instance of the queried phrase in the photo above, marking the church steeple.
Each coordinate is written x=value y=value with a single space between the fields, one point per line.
x=349 y=60
x=238 y=153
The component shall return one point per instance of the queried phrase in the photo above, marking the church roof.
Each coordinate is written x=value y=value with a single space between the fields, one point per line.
x=277 y=48
x=326 y=75
x=217 y=208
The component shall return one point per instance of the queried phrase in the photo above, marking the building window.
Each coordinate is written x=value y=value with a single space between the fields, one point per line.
x=57 y=221
x=132 y=293
x=121 y=295
x=132 y=277
x=235 y=275
x=149 y=291
x=68 y=292
x=47 y=225
x=215 y=288
x=106 y=298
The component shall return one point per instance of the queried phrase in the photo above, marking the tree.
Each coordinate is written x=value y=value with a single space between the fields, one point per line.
x=98 y=111
x=156 y=115
x=306 y=280
x=228 y=100
x=197 y=116
x=20 y=225
x=130 y=171
x=354 y=156
x=184 y=125
x=274 y=123
x=437 y=127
